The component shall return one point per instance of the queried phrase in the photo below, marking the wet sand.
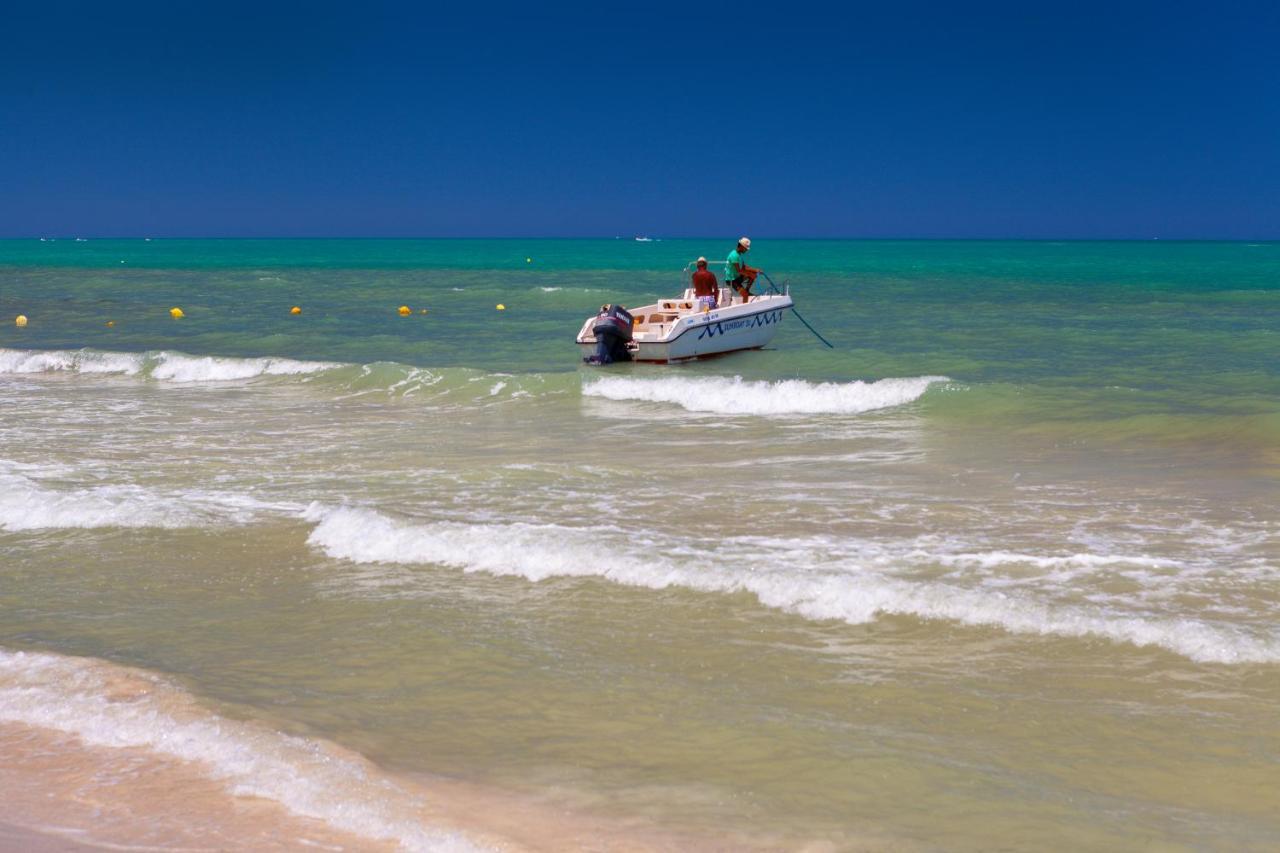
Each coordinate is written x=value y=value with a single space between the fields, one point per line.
x=61 y=794
x=19 y=838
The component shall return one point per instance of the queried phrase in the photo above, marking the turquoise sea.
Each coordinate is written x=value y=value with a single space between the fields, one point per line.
x=1000 y=569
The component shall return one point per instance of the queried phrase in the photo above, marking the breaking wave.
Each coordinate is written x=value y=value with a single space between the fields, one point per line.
x=161 y=365
x=27 y=504
x=736 y=396
x=714 y=395
x=113 y=706
x=854 y=587
x=384 y=378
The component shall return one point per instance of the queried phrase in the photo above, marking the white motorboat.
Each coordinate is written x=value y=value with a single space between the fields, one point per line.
x=685 y=328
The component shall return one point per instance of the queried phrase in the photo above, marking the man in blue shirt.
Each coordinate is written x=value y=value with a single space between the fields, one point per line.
x=737 y=274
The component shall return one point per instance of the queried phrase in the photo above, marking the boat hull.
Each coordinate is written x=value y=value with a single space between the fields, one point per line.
x=701 y=335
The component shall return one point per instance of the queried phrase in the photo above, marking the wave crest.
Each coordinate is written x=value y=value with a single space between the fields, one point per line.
x=736 y=396
x=459 y=385
x=852 y=589
x=26 y=504
x=161 y=365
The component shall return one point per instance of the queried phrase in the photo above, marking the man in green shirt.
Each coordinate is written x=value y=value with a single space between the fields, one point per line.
x=737 y=274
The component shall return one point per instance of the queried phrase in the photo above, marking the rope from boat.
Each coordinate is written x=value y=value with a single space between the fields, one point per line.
x=775 y=289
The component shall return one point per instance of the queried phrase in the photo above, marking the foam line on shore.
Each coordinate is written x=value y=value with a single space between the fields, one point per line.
x=112 y=706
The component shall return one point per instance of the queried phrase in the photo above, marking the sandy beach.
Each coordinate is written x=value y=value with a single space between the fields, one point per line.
x=61 y=794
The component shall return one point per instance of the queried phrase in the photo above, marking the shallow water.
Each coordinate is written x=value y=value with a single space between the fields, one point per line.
x=1000 y=570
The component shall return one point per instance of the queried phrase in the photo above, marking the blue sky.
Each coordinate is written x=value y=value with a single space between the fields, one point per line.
x=1129 y=120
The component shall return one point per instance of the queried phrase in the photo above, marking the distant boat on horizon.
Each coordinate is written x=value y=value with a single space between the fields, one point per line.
x=644 y=240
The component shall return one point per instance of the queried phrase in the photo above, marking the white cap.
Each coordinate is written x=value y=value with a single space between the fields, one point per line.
x=744 y=241
x=701 y=260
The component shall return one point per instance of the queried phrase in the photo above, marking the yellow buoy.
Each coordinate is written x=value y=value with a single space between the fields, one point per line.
x=111 y=323
x=404 y=311
x=423 y=311
x=20 y=320
x=501 y=307
x=176 y=313
x=295 y=310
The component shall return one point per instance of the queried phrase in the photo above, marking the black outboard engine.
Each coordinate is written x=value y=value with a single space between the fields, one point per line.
x=613 y=331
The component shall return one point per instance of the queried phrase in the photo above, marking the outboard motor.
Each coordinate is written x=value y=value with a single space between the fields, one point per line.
x=613 y=331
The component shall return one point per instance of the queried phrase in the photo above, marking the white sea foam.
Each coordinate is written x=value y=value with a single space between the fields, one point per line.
x=162 y=365
x=364 y=535
x=993 y=559
x=176 y=367
x=70 y=361
x=854 y=586
x=110 y=706
x=348 y=380
x=27 y=504
x=390 y=378
x=736 y=396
